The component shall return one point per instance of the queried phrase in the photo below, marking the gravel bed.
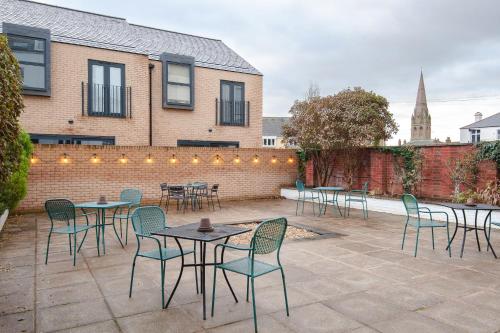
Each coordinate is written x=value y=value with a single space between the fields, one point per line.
x=292 y=233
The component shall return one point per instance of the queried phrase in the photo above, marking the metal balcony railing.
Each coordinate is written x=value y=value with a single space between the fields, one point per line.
x=103 y=100
x=232 y=113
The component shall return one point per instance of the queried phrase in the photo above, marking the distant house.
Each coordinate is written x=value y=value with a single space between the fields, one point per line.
x=487 y=129
x=272 y=132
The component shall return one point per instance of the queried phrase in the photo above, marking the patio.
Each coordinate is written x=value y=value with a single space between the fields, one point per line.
x=354 y=280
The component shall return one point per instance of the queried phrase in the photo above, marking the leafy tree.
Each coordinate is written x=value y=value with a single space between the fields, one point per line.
x=338 y=125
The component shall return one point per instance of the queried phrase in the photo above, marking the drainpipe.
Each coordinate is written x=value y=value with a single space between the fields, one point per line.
x=151 y=66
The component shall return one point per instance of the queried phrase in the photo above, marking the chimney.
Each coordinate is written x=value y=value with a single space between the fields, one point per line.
x=478 y=116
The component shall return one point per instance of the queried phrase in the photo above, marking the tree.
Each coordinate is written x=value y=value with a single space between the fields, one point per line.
x=340 y=125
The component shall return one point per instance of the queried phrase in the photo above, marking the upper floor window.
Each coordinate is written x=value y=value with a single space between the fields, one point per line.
x=232 y=108
x=269 y=141
x=106 y=90
x=178 y=81
x=31 y=46
x=475 y=135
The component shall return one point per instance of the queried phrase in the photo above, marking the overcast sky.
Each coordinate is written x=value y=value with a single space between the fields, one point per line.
x=378 y=45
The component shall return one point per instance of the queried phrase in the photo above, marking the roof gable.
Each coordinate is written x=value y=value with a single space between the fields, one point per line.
x=273 y=126
x=491 y=121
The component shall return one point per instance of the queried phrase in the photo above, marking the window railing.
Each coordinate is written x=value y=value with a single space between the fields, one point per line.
x=232 y=113
x=104 y=100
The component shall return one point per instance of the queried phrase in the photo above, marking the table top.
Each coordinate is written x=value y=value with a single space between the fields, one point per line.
x=109 y=204
x=466 y=207
x=190 y=231
x=329 y=188
x=188 y=185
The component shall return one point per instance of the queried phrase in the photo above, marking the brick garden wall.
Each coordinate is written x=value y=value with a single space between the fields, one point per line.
x=83 y=179
x=377 y=168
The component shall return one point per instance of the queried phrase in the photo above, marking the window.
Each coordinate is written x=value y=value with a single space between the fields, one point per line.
x=199 y=143
x=232 y=105
x=178 y=81
x=498 y=134
x=31 y=46
x=269 y=141
x=106 y=89
x=475 y=135
x=47 y=139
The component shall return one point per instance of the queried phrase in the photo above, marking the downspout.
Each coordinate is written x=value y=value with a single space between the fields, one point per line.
x=151 y=66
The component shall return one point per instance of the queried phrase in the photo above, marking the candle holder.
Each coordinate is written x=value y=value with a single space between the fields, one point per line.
x=102 y=200
x=205 y=225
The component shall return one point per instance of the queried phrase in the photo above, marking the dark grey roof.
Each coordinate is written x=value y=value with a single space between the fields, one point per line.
x=491 y=121
x=273 y=126
x=114 y=33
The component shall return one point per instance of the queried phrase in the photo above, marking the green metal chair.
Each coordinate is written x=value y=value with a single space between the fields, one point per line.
x=63 y=210
x=133 y=196
x=304 y=195
x=268 y=238
x=414 y=219
x=146 y=220
x=357 y=196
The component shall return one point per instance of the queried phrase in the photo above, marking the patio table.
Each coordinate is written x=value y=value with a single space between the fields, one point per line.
x=476 y=208
x=191 y=188
x=190 y=232
x=323 y=190
x=101 y=216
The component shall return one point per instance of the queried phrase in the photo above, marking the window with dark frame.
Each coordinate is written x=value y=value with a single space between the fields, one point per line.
x=232 y=105
x=475 y=135
x=106 y=89
x=31 y=46
x=178 y=81
x=71 y=139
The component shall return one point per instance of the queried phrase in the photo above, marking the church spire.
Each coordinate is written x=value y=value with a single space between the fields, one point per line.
x=421 y=119
x=421 y=98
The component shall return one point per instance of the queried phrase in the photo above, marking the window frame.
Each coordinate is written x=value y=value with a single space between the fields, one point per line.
x=232 y=84
x=498 y=134
x=202 y=143
x=73 y=139
x=176 y=59
x=107 y=101
x=16 y=30
x=475 y=135
x=267 y=139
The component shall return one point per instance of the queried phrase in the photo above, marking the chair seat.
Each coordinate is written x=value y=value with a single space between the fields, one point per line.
x=244 y=266
x=120 y=216
x=69 y=229
x=427 y=223
x=166 y=253
x=355 y=199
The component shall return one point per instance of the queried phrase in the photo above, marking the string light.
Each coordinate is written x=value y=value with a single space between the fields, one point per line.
x=65 y=158
x=94 y=158
x=195 y=159
x=290 y=159
x=33 y=158
x=256 y=159
x=217 y=159
x=274 y=160
x=149 y=160
x=123 y=159
x=173 y=159
x=237 y=159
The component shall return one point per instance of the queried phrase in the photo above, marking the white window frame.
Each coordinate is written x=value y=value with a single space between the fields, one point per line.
x=475 y=135
x=269 y=141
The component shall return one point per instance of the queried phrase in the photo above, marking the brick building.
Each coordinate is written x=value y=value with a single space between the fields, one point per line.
x=96 y=79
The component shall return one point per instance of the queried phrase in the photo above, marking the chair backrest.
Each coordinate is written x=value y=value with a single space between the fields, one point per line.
x=365 y=187
x=176 y=190
x=411 y=204
x=148 y=219
x=164 y=187
x=215 y=188
x=269 y=235
x=60 y=210
x=131 y=195
x=299 y=184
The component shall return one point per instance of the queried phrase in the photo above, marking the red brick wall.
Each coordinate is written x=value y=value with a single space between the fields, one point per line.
x=82 y=179
x=377 y=168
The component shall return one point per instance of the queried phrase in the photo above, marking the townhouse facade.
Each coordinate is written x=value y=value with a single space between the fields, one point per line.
x=96 y=79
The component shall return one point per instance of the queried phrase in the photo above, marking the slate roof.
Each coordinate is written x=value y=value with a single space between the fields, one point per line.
x=491 y=121
x=273 y=126
x=107 y=32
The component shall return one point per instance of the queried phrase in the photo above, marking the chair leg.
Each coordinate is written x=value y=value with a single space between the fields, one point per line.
x=432 y=231
x=83 y=239
x=132 y=277
x=126 y=233
x=366 y=204
x=74 y=249
x=248 y=286
x=404 y=235
x=284 y=290
x=297 y=207
x=97 y=239
x=253 y=305
x=416 y=243
x=213 y=291
x=448 y=234
x=195 y=269
x=48 y=245
x=162 y=266
x=218 y=201
x=69 y=240
x=121 y=229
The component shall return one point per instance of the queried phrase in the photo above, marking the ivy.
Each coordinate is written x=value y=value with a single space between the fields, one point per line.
x=489 y=151
x=302 y=158
x=407 y=164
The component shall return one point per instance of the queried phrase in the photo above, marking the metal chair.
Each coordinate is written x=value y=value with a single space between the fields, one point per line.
x=146 y=220
x=357 y=196
x=210 y=194
x=63 y=210
x=177 y=193
x=133 y=196
x=164 y=192
x=414 y=219
x=303 y=196
x=268 y=238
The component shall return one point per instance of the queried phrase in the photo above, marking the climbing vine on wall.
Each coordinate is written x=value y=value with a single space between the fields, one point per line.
x=489 y=151
x=407 y=164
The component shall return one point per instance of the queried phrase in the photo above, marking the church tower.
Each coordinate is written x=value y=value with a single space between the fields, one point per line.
x=421 y=119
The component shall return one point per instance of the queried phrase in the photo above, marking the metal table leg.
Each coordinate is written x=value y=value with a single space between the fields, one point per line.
x=488 y=216
x=456 y=228
x=203 y=267
x=224 y=272
x=465 y=233
x=477 y=236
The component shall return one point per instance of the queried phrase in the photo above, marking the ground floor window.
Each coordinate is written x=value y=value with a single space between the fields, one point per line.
x=475 y=136
x=199 y=143
x=48 y=139
x=269 y=141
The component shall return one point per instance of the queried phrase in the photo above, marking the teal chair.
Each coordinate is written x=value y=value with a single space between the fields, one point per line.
x=304 y=195
x=133 y=196
x=145 y=221
x=357 y=196
x=414 y=219
x=268 y=238
x=63 y=211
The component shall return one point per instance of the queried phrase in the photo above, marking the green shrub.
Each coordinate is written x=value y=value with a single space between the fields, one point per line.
x=14 y=189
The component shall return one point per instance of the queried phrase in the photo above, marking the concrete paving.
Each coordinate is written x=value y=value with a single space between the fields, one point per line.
x=358 y=281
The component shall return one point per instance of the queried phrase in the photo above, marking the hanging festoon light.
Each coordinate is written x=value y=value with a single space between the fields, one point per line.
x=195 y=159
x=123 y=159
x=274 y=160
x=173 y=159
x=256 y=159
x=290 y=159
x=217 y=159
x=237 y=159
x=94 y=158
x=149 y=159
x=33 y=158
x=65 y=159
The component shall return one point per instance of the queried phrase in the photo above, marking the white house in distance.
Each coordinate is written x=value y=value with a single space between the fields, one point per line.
x=487 y=129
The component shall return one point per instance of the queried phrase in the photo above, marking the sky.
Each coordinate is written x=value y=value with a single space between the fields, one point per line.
x=380 y=46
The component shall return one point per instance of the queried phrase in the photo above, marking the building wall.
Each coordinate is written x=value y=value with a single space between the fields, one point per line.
x=487 y=134
x=82 y=179
x=50 y=115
